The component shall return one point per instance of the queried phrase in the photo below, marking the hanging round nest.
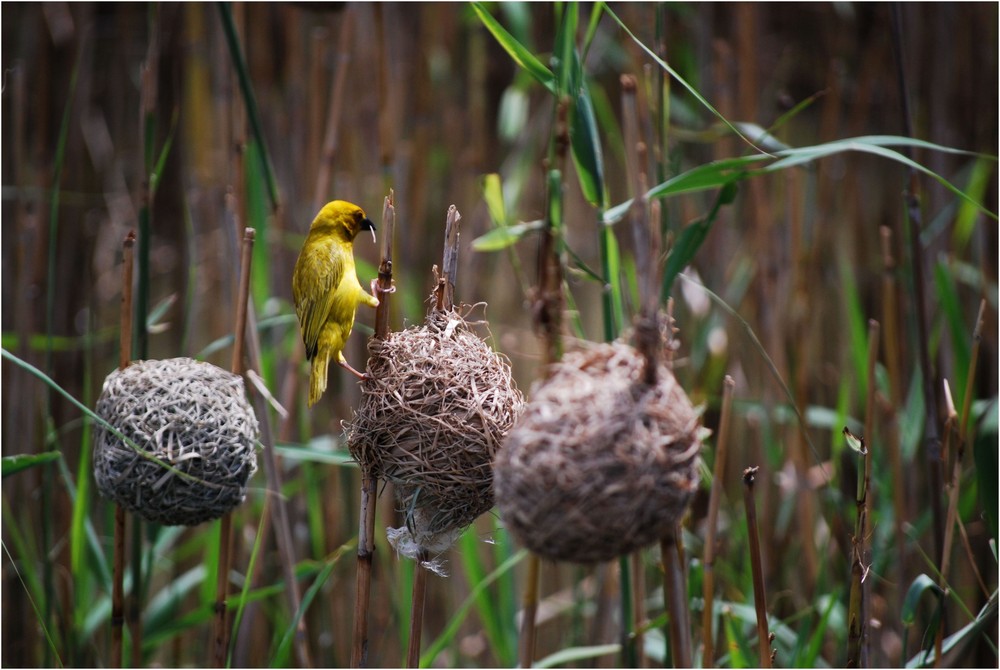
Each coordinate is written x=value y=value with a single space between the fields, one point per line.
x=192 y=435
x=434 y=410
x=600 y=463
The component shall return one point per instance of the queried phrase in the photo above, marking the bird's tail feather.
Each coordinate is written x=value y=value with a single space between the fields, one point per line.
x=317 y=378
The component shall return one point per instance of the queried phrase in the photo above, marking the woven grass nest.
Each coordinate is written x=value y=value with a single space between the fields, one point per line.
x=182 y=413
x=432 y=416
x=600 y=463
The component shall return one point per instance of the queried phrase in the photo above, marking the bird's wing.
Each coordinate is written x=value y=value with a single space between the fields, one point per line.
x=318 y=273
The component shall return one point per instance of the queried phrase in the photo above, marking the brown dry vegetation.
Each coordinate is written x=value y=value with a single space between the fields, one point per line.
x=422 y=99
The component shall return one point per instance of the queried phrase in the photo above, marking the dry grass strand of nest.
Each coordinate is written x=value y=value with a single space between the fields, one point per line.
x=600 y=463
x=433 y=414
x=190 y=415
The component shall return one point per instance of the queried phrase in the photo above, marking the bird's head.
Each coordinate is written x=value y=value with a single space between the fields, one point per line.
x=342 y=219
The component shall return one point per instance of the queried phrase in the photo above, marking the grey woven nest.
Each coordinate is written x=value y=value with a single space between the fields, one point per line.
x=600 y=464
x=191 y=416
x=433 y=413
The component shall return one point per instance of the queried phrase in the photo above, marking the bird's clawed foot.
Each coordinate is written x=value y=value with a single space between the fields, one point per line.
x=378 y=290
x=360 y=375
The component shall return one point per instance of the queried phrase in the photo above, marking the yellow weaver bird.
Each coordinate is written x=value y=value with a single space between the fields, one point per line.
x=326 y=289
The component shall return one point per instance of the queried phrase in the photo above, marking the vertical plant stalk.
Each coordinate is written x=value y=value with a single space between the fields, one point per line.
x=675 y=598
x=649 y=342
x=858 y=643
x=638 y=607
x=386 y=98
x=148 y=106
x=232 y=20
x=627 y=637
x=950 y=429
x=714 y=500
x=759 y=594
x=246 y=87
x=445 y=290
x=956 y=425
x=418 y=598
x=639 y=215
x=529 y=610
x=912 y=199
x=369 y=484
x=892 y=361
x=276 y=508
x=118 y=560
x=977 y=337
x=222 y=632
x=856 y=625
x=334 y=108
x=47 y=515
x=859 y=603
x=445 y=300
x=963 y=422
x=547 y=305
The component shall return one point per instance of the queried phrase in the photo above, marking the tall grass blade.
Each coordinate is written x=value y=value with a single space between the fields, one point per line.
x=577 y=654
x=951 y=311
x=517 y=51
x=20 y=462
x=448 y=635
x=486 y=604
x=48 y=512
x=50 y=646
x=284 y=647
x=586 y=149
x=770 y=365
x=568 y=74
x=673 y=73
x=246 y=88
x=984 y=454
x=721 y=172
x=691 y=238
x=976 y=188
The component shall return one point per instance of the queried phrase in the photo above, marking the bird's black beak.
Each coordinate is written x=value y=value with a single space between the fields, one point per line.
x=366 y=224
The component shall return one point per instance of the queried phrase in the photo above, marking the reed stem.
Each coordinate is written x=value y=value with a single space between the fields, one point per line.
x=222 y=631
x=675 y=598
x=445 y=292
x=714 y=500
x=892 y=356
x=369 y=484
x=859 y=602
x=419 y=596
x=529 y=609
x=334 y=108
x=759 y=593
x=118 y=560
x=911 y=198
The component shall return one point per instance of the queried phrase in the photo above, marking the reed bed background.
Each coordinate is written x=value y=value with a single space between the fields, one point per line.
x=143 y=117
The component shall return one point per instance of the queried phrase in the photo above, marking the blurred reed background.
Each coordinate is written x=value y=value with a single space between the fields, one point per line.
x=358 y=98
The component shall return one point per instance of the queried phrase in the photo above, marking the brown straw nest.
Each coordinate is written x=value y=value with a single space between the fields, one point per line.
x=433 y=413
x=192 y=435
x=600 y=463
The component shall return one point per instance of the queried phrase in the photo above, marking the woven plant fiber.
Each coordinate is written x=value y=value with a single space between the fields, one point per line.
x=434 y=411
x=599 y=464
x=194 y=436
